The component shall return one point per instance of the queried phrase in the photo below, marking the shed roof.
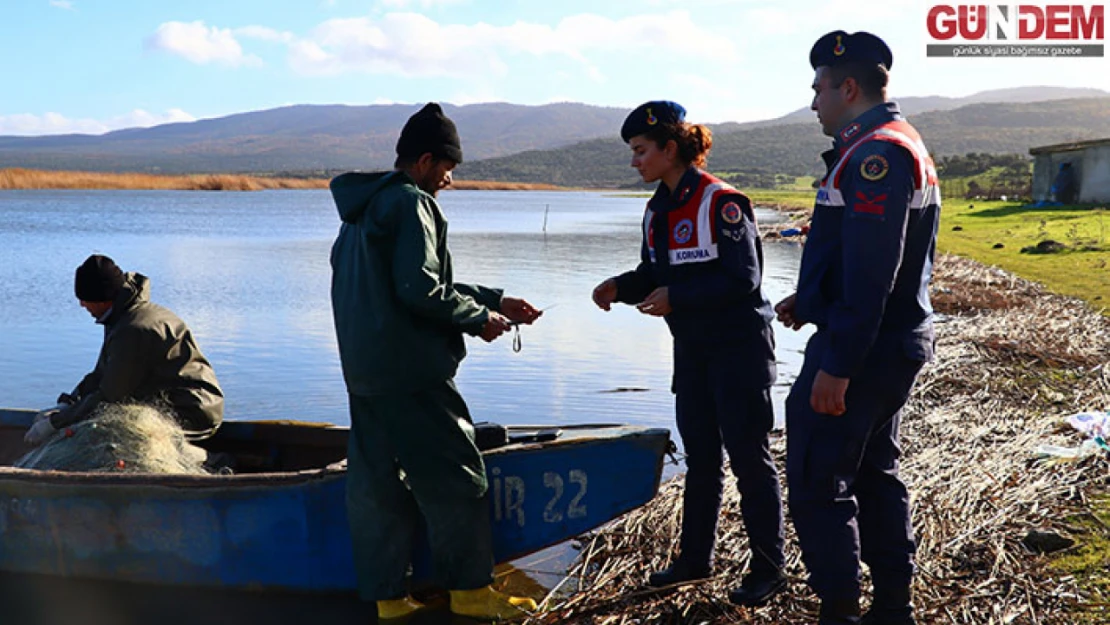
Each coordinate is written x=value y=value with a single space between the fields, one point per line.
x=1069 y=147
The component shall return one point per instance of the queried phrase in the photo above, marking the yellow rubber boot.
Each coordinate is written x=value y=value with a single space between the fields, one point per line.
x=393 y=609
x=490 y=605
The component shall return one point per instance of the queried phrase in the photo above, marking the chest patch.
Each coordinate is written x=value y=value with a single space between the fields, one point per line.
x=683 y=231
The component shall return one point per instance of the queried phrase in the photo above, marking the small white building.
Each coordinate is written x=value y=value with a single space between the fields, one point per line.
x=1090 y=161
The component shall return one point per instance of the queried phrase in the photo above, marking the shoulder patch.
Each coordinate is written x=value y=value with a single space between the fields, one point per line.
x=874 y=167
x=731 y=213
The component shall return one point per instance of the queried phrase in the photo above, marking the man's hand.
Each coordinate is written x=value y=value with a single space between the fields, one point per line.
x=39 y=432
x=827 y=395
x=496 y=325
x=605 y=294
x=49 y=412
x=519 y=311
x=657 y=303
x=784 y=310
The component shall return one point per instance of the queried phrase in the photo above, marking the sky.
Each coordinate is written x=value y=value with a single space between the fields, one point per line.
x=92 y=66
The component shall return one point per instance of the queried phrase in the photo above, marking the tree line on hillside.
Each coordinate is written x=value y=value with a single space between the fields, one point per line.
x=753 y=156
x=343 y=138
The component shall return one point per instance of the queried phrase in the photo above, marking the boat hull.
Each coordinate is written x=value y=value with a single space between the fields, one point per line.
x=287 y=530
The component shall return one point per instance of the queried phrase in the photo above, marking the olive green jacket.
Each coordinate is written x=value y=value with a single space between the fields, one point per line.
x=149 y=356
x=399 y=314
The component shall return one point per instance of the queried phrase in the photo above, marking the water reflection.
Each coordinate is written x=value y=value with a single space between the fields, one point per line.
x=249 y=273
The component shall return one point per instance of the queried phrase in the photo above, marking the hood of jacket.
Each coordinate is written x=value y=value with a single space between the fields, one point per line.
x=135 y=290
x=354 y=192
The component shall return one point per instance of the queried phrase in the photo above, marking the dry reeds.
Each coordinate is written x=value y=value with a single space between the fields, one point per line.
x=41 y=179
x=1011 y=360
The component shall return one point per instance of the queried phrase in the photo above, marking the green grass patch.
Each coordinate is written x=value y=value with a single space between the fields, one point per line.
x=782 y=199
x=996 y=233
x=1089 y=560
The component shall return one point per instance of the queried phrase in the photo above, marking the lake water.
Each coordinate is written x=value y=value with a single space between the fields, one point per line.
x=249 y=273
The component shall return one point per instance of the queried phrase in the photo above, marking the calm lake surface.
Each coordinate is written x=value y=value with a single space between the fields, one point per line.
x=249 y=273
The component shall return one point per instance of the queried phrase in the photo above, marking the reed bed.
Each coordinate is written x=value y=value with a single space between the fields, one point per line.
x=42 y=179
x=1011 y=361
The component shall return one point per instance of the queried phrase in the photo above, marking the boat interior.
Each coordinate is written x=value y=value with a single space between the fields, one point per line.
x=252 y=447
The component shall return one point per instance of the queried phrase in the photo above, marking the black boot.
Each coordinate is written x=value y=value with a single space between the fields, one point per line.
x=757 y=590
x=677 y=573
x=891 y=606
x=874 y=618
x=839 y=612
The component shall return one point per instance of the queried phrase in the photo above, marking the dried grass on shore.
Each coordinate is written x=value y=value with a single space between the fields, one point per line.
x=1011 y=360
x=42 y=179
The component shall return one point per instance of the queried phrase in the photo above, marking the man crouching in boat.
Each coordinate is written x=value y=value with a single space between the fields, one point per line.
x=148 y=356
x=400 y=319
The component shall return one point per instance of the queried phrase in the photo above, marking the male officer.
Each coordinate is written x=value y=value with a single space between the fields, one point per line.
x=864 y=283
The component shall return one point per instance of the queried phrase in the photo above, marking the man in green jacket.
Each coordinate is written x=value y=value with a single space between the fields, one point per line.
x=400 y=319
x=148 y=356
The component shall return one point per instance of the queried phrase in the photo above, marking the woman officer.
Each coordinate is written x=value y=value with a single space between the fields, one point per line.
x=700 y=269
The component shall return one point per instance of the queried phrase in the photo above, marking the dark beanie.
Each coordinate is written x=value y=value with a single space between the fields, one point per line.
x=429 y=130
x=98 y=279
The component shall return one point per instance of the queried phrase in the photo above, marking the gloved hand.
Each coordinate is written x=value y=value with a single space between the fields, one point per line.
x=65 y=399
x=41 y=430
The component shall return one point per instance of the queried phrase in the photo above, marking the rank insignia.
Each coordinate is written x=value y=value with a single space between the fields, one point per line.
x=731 y=213
x=849 y=132
x=870 y=205
x=874 y=167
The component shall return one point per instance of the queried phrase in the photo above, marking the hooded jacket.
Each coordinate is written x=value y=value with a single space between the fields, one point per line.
x=399 y=315
x=149 y=356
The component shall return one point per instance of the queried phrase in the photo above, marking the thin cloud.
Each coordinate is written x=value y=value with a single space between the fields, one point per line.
x=57 y=124
x=200 y=44
x=62 y=4
x=410 y=44
x=426 y=4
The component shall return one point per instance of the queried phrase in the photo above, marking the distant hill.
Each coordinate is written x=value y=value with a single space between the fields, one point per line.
x=795 y=148
x=917 y=105
x=306 y=138
x=517 y=143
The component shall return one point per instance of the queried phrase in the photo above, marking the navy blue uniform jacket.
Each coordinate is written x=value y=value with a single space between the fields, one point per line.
x=869 y=256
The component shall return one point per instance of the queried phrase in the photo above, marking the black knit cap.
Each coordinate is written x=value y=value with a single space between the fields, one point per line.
x=429 y=130
x=839 y=48
x=98 y=279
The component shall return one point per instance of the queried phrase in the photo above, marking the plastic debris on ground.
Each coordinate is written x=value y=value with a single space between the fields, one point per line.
x=1095 y=425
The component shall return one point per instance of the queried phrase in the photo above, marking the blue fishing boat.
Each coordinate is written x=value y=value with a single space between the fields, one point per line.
x=279 y=523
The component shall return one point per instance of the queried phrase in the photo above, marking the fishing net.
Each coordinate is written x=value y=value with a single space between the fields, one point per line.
x=131 y=438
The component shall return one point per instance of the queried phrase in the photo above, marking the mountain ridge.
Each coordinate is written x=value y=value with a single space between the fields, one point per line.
x=322 y=138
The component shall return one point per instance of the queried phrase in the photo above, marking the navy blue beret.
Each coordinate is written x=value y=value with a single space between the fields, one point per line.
x=839 y=48
x=648 y=114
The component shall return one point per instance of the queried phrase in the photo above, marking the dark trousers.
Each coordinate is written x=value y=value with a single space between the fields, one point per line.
x=846 y=498
x=412 y=462
x=713 y=408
